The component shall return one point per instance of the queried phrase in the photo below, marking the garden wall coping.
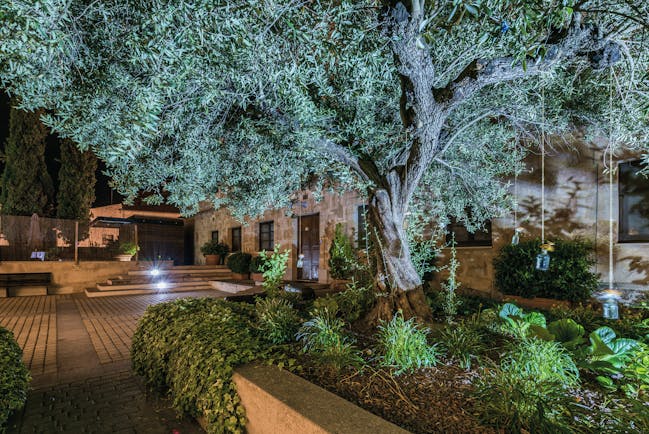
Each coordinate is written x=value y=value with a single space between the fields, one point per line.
x=277 y=401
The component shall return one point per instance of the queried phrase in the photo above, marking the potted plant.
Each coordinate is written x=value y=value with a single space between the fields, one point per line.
x=214 y=252
x=256 y=269
x=126 y=250
x=239 y=264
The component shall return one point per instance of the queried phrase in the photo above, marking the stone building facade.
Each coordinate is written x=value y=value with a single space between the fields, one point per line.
x=309 y=223
x=576 y=206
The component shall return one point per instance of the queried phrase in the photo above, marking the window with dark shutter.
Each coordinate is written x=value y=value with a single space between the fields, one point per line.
x=634 y=203
x=266 y=235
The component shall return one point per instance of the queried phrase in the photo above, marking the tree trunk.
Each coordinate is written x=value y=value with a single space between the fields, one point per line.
x=398 y=285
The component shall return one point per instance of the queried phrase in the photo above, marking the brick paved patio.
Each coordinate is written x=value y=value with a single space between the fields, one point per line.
x=78 y=350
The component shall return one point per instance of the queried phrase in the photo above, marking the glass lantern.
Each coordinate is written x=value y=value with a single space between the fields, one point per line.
x=610 y=308
x=543 y=261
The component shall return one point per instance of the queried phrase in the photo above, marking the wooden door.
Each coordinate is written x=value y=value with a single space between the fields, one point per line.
x=309 y=227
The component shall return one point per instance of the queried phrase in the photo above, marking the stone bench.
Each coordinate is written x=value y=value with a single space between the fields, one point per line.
x=22 y=284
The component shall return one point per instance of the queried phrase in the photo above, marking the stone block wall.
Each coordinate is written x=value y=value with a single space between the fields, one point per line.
x=332 y=209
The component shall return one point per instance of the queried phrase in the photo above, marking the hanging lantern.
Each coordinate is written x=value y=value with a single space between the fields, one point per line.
x=516 y=238
x=543 y=261
x=543 y=258
x=609 y=299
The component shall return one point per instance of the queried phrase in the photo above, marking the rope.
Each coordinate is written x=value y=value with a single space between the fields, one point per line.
x=543 y=166
x=610 y=186
x=516 y=185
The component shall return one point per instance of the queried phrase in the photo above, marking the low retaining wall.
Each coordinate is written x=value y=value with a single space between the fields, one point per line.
x=68 y=277
x=277 y=401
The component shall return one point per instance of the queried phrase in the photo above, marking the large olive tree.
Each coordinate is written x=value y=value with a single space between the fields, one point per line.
x=241 y=103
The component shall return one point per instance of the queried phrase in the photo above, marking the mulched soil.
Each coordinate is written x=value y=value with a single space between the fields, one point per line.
x=431 y=400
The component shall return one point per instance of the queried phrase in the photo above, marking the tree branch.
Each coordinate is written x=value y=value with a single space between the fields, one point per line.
x=580 y=40
x=341 y=155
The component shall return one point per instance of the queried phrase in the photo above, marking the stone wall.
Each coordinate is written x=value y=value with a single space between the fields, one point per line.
x=68 y=277
x=577 y=206
x=333 y=209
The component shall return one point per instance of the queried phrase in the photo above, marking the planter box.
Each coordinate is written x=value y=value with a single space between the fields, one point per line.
x=123 y=258
x=537 y=302
x=241 y=276
x=257 y=277
x=277 y=401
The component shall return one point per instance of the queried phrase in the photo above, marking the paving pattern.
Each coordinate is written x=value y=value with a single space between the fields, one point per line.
x=78 y=351
x=111 y=321
x=33 y=323
x=108 y=404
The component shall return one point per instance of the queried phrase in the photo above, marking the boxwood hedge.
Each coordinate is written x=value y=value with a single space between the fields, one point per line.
x=190 y=347
x=570 y=276
x=14 y=377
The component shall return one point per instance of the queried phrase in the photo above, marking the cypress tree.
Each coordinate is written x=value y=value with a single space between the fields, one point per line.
x=76 y=182
x=26 y=186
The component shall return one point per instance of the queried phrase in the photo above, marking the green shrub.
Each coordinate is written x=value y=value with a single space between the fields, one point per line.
x=463 y=343
x=342 y=259
x=404 y=346
x=256 y=264
x=448 y=294
x=350 y=303
x=277 y=320
x=190 y=347
x=213 y=247
x=569 y=277
x=273 y=268
x=528 y=390
x=323 y=338
x=239 y=262
x=14 y=377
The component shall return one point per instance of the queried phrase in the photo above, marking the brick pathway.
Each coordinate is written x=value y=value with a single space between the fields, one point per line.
x=78 y=352
x=33 y=322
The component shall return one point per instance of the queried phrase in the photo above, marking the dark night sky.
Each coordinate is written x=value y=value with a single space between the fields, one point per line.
x=52 y=157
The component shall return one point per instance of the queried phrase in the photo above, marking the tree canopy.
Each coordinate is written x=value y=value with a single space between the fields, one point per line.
x=243 y=102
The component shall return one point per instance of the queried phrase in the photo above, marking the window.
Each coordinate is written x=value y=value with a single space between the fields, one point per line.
x=362 y=227
x=634 y=203
x=236 y=239
x=215 y=236
x=464 y=238
x=266 y=236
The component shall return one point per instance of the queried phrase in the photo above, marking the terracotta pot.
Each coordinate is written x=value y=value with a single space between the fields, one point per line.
x=211 y=259
x=123 y=258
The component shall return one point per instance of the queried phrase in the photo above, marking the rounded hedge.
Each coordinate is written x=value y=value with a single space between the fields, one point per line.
x=239 y=262
x=14 y=377
x=190 y=347
x=569 y=277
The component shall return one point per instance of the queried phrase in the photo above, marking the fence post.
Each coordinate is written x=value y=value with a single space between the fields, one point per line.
x=137 y=251
x=76 y=242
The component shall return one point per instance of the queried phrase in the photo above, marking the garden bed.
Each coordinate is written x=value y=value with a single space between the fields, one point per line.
x=431 y=400
x=490 y=370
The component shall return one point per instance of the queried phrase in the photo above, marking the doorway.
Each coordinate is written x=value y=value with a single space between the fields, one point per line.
x=309 y=242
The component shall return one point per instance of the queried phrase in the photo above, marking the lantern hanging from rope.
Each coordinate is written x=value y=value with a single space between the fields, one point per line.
x=543 y=258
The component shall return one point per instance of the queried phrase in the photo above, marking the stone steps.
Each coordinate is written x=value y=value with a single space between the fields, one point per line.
x=173 y=279
x=132 y=280
x=94 y=292
x=185 y=269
